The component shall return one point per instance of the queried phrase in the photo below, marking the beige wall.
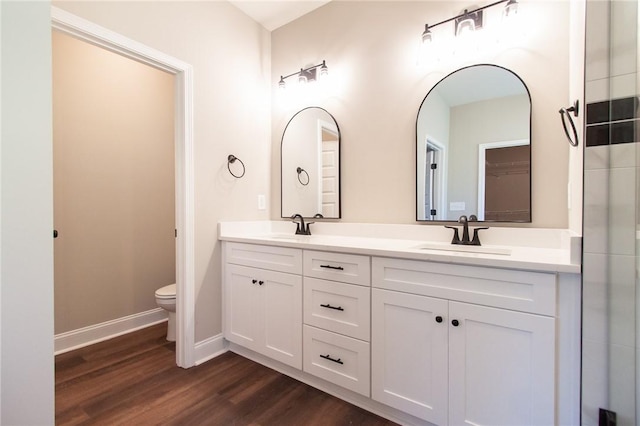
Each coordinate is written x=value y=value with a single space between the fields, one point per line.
x=229 y=53
x=114 y=202
x=370 y=48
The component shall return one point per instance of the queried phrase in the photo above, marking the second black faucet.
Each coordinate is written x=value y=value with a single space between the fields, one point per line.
x=475 y=241
x=301 y=228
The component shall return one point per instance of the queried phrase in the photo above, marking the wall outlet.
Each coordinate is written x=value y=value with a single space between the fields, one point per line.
x=262 y=202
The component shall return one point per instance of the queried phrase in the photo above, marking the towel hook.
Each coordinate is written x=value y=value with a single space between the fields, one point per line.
x=232 y=159
x=300 y=170
x=565 y=111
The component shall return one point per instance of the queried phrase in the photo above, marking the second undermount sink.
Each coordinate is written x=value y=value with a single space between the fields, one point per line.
x=464 y=249
x=288 y=237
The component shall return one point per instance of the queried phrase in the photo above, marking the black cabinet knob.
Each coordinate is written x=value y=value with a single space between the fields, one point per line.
x=438 y=319
x=254 y=281
x=455 y=323
x=260 y=282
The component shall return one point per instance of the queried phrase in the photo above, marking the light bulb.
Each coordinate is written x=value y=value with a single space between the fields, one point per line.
x=324 y=70
x=427 y=37
x=510 y=9
x=465 y=27
x=302 y=78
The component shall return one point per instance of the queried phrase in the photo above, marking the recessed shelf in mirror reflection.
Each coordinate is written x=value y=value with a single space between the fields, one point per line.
x=311 y=143
x=473 y=147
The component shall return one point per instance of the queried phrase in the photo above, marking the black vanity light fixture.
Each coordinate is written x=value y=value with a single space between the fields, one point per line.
x=306 y=75
x=470 y=20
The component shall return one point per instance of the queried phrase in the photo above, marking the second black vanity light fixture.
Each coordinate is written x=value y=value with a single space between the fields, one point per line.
x=308 y=74
x=471 y=20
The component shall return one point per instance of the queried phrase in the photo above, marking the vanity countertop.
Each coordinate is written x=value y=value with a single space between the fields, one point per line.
x=546 y=250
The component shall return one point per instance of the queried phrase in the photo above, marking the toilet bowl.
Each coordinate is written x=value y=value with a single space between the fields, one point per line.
x=166 y=299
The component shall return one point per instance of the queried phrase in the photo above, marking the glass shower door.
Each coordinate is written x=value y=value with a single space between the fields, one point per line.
x=611 y=211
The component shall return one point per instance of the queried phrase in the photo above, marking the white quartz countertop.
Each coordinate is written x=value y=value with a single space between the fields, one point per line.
x=542 y=250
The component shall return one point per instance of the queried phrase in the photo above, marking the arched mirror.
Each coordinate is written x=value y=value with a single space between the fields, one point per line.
x=310 y=165
x=473 y=147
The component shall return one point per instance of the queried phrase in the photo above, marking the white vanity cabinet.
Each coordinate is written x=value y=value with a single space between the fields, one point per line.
x=263 y=300
x=443 y=359
x=337 y=301
x=419 y=338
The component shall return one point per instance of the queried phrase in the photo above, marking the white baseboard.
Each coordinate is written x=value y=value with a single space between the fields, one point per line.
x=75 y=339
x=210 y=348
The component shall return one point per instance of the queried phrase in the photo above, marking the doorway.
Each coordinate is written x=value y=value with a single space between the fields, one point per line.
x=330 y=183
x=184 y=174
x=114 y=196
x=504 y=190
x=434 y=194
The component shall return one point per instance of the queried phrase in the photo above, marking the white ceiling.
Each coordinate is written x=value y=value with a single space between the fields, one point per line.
x=273 y=14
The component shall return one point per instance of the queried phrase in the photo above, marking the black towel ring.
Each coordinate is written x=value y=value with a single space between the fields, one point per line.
x=300 y=170
x=566 y=111
x=232 y=159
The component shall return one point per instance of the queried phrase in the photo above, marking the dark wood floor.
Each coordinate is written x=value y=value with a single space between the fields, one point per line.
x=133 y=380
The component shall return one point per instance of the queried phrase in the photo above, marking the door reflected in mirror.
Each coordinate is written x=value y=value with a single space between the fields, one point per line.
x=310 y=165
x=473 y=147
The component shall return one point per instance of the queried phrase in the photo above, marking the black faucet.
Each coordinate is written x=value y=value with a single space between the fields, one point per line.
x=301 y=229
x=465 y=232
x=465 y=228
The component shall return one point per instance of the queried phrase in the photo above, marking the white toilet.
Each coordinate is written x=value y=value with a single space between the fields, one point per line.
x=166 y=299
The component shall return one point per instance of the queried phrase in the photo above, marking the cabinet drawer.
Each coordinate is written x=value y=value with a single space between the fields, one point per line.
x=503 y=288
x=337 y=359
x=280 y=259
x=342 y=308
x=348 y=268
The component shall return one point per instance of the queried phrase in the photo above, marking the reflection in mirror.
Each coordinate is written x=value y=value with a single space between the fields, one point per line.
x=473 y=151
x=310 y=165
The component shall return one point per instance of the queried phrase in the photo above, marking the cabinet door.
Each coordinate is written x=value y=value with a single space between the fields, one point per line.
x=281 y=317
x=409 y=353
x=264 y=312
x=501 y=367
x=242 y=301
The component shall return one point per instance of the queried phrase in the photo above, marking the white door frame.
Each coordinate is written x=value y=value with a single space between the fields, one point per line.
x=441 y=189
x=185 y=206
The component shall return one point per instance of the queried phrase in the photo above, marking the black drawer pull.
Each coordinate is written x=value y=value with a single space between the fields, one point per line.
x=337 y=308
x=331 y=359
x=339 y=268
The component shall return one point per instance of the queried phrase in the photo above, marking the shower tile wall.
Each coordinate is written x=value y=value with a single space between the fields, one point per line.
x=611 y=209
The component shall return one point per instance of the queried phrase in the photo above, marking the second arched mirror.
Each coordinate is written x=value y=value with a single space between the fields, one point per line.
x=473 y=147
x=310 y=165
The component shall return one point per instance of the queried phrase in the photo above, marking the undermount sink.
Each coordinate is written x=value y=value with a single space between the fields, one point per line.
x=464 y=249
x=287 y=237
